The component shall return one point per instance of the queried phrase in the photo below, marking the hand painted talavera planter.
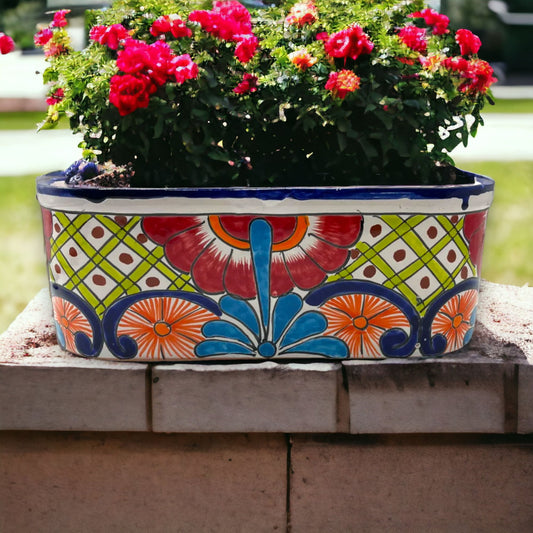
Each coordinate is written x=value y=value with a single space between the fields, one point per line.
x=242 y=274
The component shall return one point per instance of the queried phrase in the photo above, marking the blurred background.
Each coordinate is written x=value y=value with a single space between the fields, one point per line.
x=503 y=148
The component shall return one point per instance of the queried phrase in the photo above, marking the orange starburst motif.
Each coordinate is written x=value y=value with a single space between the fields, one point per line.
x=360 y=320
x=302 y=13
x=454 y=319
x=302 y=59
x=71 y=321
x=165 y=327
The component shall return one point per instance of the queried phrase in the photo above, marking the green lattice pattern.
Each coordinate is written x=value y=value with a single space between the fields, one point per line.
x=80 y=280
x=405 y=229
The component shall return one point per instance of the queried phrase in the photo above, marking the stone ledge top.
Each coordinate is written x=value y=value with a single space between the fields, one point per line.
x=484 y=388
x=504 y=332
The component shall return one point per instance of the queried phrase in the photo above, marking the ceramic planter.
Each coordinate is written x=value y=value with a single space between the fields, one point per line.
x=200 y=274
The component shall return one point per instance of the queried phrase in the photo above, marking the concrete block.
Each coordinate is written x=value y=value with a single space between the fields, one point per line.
x=525 y=399
x=401 y=484
x=139 y=482
x=108 y=397
x=426 y=397
x=263 y=397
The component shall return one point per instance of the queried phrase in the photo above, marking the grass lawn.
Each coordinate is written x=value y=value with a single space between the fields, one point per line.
x=507 y=258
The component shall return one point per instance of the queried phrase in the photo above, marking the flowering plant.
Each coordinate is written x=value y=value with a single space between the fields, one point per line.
x=318 y=92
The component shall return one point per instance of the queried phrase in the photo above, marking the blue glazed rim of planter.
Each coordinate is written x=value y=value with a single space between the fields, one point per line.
x=48 y=185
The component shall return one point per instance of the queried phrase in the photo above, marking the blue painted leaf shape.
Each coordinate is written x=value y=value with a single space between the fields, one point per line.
x=207 y=348
x=242 y=311
x=226 y=330
x=306 y=325
x=285 y=310
x=325 y=346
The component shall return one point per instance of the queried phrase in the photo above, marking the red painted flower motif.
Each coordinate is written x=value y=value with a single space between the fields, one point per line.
x=360 y=320
x=165 y=328
x=71 y=321
x=474 y=231
x=453 y=319
x=216 y=249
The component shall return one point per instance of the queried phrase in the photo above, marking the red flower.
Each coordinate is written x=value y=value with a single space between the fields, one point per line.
x=7 y=44
x=110 y=36
x=343 y=82
x=56 y=96
x=322 y=36
x=216 y=249
x=433 y=18
x=302 y=13
x=59 y=18
x=135 y=57
x=183 y=68
x=457 y=64
x=468 y=42
x=129 y=92
x=414 y=38
x=476 y=74
x=350 y=42
x=43 y=36
x=225 y=21
x=159 y=67
x=302 y=59
x=247 y=85
x=246 y=47
x=53 y=49
x=170 y=24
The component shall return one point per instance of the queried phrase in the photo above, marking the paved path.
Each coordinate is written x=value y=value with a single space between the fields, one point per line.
x=503 y=138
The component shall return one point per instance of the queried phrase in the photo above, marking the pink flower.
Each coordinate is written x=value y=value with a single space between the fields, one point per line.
x=343 y=82
x=414 y=38
x=7 y=44
x=302 y=13
x=53 y=49
x=322 y=36
x=468 y=42
x=479 y=77
x=433 y=18
x=225 y=21
x=43 y=36
x=183 y=68
x=215 y=249
x=246 y=48
x=135 y=57
x=59 y=18
x=349 y=43
x=170 y=24
x=128 y=93
x=110 y=36
x=56 y=96
x=159 y=66
x=247 y=85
